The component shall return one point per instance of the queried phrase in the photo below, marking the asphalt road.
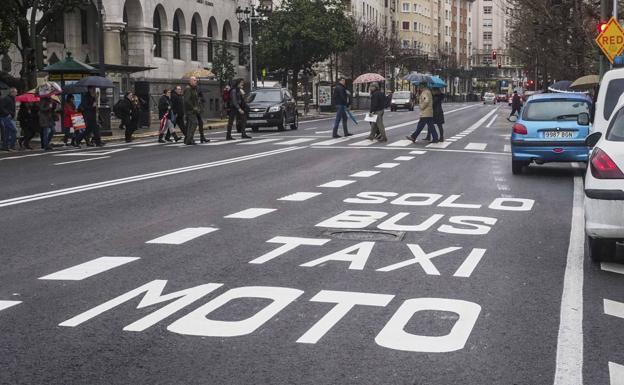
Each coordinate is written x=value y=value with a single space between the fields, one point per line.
x=293 y=258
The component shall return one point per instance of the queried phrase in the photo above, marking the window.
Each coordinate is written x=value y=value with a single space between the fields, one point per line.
x=157 y=36
x=176 y=38
x=487 y=47
x=614 y=90
x=406 y=7
x=84 y=27
x=446 y=30
x=487 y=35
x=406 y=25
x=210 y=43
x=487 y=10
x=194 y=40
x=405 y=44
x=615 y=131
x=487 y=22
x=56 y=30
x=552 y=109
x=415 y=26
x=470 y=22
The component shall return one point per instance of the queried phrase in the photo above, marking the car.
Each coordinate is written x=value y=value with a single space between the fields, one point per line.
x=501 y=97
x=489 y=98
x=611 y=87
x=604 y=188
x=402 y=99
x=272 y=107
x=550 y=128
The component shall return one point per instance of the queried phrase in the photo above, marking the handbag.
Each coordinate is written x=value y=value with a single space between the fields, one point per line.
x=370 y=117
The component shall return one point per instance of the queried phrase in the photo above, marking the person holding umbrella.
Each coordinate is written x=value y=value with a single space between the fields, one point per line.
x=68 y=110
x=88 y=107
x=48 y=115
x=426 y=116
x=438 y=113
x=28 y=116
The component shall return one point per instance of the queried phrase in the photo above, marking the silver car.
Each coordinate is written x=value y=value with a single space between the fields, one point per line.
x=489 y=98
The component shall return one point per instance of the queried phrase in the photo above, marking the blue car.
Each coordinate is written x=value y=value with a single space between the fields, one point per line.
x=550 y=128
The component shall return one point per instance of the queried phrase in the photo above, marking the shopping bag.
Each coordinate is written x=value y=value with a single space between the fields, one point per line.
x=370 y=117
x=78 y=121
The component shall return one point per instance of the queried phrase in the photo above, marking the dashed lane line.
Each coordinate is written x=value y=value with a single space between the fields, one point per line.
x=616 y=374
x=362 y=143
x=182 y=236
x=89 y=269
x=400 y=143
x=612 y=267
x=613 y=308
x=404 y=158
x=81 y=160
x=387 y=165
x=250 y=213
x=337 y=183
x=7 y=304
x=364 y=174
x=444 y=144
x=299 y=196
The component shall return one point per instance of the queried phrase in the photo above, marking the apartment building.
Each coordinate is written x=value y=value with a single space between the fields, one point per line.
x=418 y=26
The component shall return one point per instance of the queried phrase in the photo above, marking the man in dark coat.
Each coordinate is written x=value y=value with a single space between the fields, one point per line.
x=237 y=112
x=88 y=107
x=377 y=106
x=438 y=113
x=164 y=108
x=177 y=107
x=191 y=109
x=7 y=120
x=340 y=99
x=516 y=104
x=124 y=111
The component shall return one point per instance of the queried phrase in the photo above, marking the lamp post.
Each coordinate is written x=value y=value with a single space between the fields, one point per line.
x=248 y=15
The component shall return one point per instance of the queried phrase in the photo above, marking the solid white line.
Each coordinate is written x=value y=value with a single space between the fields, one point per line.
x=364 y=174
x=8 y=304
x=476 y=146
x=612 y=267
x=337 y=183
x=613 y=308
x=402 y=158
x=491 y=121
x=299 y=196
x=136 y=178
x=616 y=374
x=23 y=156
x=81 y=160
x=323 y=132
x=450 y=140
x=295 y=141
x=182 y=236
x=260 y=141
x=250 y=213
x=569 y=364
x=311 y=128
x=387 y=165
x=404 y=149
x=89 y=269
x=93 y=153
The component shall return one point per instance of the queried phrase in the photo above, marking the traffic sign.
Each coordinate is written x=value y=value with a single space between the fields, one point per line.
x=611 y=39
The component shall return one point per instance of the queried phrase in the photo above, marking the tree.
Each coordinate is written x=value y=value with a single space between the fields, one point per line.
x=27 y=20
x=302 y=33
x=222 y=64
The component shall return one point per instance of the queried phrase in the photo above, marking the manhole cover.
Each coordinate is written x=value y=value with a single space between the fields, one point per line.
x=366 y=235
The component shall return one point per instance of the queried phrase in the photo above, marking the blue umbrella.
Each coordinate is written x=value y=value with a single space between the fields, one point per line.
x=436 y=82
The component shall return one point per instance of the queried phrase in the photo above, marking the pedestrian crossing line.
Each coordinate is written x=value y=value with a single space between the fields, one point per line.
x=337 y=183
x=364 y=174
x=175 y=145
x=400 y=143
x=418 y=152
x=507 y=148
x=23 y=156
x=331 y=141
x=214 y=142
x=612 y=267
x=476 y=146
x=362 y=143
x=613 y=308
x=403 y=158
x=89 y=269
x=616 y=374
x=295 y=141
x=81 y=160
x=258 y=141
x=299 y=196
x=323 y=132
x=148 y=144
x=182 y=236
x=451 y=140
x=444 y=144
x=250 y=213
x=387 y=165
x=8 y=304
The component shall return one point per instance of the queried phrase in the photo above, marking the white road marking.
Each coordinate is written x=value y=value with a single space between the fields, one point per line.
x=476 y=146
x=323 y=132
x=259 y=141
x=81 y=160
x=418 y=152
x=402 y=158
x=182 y=236
x=364 y=174
x=295 y=141
x=612 y=267
x=93 y=153
x=362 y=143
x=471 y=262
x=331 y=141
x=491 y=121
x=387 y=165
x=175 y=145
x=401 y=143
x=613 y=308
x=148 y=144
x=616 y=374
x=214 y=142
x=299 y=196
x=250 y=213
x=89 y=269
x=337 y=183
x=136 y=178
x=450 y=140
x=311 y=128
x=569 y=363
x=444 y=144
x=23 y=156
x=8 y=304
x=507 y=148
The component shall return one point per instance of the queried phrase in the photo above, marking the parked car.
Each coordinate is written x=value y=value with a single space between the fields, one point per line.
x=272 y=107
x=501 y=98
x=611 y=87
x=550 y=128
x=604 y=188
x=489 y=98
x=402 y=99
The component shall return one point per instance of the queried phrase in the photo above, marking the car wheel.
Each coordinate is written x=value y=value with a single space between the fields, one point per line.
x=282 y=125
x=255 y=129
x=295 y=124
x=517 y=166
x=601 y=249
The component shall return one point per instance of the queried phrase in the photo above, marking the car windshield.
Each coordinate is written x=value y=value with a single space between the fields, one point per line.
x=616 y=128
x=489 y=95
x=555 y=109
x=265 y=96
x=401 y=95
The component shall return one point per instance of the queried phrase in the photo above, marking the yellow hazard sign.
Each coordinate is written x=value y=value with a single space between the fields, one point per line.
x=611 y=39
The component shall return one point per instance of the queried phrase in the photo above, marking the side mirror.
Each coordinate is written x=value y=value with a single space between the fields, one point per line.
x=513 y=118
x=592 y=139
x=583 y=119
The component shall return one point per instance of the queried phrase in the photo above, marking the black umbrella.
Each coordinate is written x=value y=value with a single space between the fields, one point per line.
x=94 y=81
x=561 y=86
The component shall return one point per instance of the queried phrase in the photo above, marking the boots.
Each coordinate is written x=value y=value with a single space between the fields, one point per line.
x=202 y=138
x=160 y=139
x=176 y=137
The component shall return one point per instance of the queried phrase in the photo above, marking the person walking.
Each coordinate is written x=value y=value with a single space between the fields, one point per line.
x=88 y=107
x=191 y=110
x=164 y=109
x=200 y=119
x=29 y=123
x=340 y=99
x=377 y=105
x=7 y=120
x=426 y=116
x=69 y=108
x=48 y=115
x=135 y=117
x=123 y=110
x=177 y=107
x=237 y=112
x=516 y=104
x=225 y=99
x=438 y=114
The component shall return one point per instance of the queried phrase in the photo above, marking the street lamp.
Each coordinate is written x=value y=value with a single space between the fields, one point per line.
x=247 y=16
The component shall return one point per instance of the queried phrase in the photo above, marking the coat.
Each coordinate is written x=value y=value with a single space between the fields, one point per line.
x=7 y=107
x=438 y=112
x=164 y=106
x=191 y=101
x=516 y=103
x=426 y=104
x=236 y=99
x=177 y=105
x=88 y=109
x=378 y=101
x=125 y=111
x=47 y=113
x=340 y=96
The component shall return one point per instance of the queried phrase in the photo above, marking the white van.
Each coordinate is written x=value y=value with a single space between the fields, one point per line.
x=611 y=88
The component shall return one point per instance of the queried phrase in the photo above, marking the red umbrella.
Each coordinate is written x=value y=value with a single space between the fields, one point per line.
x=369 y=78
x=27 y=98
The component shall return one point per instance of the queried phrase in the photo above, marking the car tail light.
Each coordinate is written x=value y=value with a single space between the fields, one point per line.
x=519 y=129
x=603 y=167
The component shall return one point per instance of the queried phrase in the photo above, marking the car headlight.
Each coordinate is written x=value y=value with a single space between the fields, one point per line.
x=275 y=109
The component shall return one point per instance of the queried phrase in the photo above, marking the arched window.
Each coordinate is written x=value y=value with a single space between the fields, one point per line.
x=211 y=36
x=194 y=41
x=241 y=48
x=176 y=37
x=157 y=36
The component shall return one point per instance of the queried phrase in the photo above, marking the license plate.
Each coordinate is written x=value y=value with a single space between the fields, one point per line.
x=256 y=115
x=559 y=134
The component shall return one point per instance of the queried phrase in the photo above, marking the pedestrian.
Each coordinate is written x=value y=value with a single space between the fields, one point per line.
x=225 y=98
x=28 y=119
x=191 y=110
x=200 y=119
x=377 y=106
x=426 y=116
x=135 y=117
x=177 y=107
x=164 y=111
x=438 y=113
x=88 y=107
x=48 y=116
x=237 y=103
x=69 y=108
x=8 y=114
x=340 y=99
x=516 y=104
x=123 y=109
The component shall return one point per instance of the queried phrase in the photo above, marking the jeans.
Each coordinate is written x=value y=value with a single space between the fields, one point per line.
x=430 y=128
x=46 y=136
x=341 y=114
x=10 y=132
x=377 y=128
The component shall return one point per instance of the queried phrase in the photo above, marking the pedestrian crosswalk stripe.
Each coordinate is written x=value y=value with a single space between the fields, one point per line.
x=89 y=269
x=613 y=308
x=148 y=144
x=337 y=183
x=214 y=142
x=182 y=236
x=476 y=146
x=258 y=141
x=364 y=174
x=8 y=304
x=323 y=132
x=387 y=165
x=250 y=213
x=451 y=140
x=296 y=141
x=175 y=145
x=418 y=152
x=362 y=143
x=507 y=148
x=616 y=374
x=299 y=196
x=444 y=144
x=612 y=267
x=401 y=143
x=402 y=158
x=330 y=142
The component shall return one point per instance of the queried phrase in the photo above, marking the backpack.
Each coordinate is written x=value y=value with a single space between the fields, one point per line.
x=388 y=102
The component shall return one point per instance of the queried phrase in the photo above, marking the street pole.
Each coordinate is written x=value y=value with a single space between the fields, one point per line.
x=615 y=10
x=251 y=68
x=604 y=14
x=100 y=9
